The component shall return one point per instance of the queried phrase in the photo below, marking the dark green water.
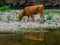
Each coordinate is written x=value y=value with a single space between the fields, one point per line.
x=51 y=38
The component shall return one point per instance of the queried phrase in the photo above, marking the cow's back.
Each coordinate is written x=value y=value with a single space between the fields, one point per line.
x=32 y=9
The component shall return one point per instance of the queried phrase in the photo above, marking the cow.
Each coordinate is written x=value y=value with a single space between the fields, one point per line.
x=31 y=10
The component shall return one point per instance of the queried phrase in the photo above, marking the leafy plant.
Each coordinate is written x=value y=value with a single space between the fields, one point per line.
x=40 y=21
x=46 y=12
x=49 y=17
x=3 y=8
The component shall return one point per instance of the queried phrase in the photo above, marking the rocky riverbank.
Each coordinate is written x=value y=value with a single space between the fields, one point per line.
x=9 y=22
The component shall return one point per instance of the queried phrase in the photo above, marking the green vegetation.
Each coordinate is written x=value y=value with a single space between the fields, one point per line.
x=0 y=18
x=49 y=17
x=4 y=8
x=54 y=11
x=40 y=21
x=31 y=30
x=46 y=12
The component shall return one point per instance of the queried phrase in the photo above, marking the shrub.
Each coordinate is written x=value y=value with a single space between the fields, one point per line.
x=3 y=8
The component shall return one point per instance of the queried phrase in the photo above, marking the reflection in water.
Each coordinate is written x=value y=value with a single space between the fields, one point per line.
x=50 y=38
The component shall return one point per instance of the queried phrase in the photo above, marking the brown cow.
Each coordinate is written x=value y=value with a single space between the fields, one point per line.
x=30 y=10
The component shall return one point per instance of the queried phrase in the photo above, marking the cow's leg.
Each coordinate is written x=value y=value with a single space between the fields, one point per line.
x=41 y=10
x=28 y=19
x=42 y=14
x=32 y=17
x=20 y=17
